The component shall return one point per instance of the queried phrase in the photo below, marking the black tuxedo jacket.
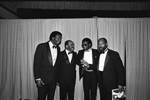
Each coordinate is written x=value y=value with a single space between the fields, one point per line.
x=114 y=72
x=43 y=67
x=66 y=71
x=92 y=66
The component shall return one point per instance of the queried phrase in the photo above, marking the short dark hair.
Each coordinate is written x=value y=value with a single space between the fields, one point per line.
x=67 y=41
x=104 y=39
x=54 y=33
x=87 y=40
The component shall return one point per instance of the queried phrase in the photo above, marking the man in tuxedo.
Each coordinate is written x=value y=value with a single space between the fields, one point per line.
x=44 y=66
x=111 y=72
x=88 y=69
x=66 y=71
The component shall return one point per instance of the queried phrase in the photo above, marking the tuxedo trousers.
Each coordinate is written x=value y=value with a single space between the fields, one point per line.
x=67 y=91
x=47 y=90
x=105 y=93
x=89 y=85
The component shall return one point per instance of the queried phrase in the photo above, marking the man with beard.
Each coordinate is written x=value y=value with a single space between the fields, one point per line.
x=111 y=73
x=66 y=71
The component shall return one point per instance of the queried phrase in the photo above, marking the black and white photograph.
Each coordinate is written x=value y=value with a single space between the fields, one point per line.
x=74 y=49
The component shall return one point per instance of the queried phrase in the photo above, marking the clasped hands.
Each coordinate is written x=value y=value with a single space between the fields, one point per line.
x=84 y=64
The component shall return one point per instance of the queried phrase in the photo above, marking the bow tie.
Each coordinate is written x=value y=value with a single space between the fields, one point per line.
x=54 y=46
x=70 y=52
x=102 y=52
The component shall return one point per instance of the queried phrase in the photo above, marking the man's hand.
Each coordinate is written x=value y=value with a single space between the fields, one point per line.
x=121 y=88
x=39 y=83
x=84 y=63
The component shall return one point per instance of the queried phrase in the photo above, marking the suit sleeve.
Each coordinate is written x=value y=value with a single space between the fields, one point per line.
x=80 y=66
x=120 y=70
x=92 y=66
x=37 y=61
x=77 y=59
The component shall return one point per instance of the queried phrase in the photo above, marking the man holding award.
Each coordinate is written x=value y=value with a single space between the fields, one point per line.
x=88 y=69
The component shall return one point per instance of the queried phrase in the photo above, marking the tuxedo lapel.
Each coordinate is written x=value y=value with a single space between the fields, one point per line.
x=93 y=56
x=106 y=59
x=73 y=58
x=49 y=54
x=82 y=53
x=66 y=57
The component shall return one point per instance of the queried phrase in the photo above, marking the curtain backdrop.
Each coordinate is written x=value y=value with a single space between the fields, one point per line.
x=19 y=38
x=138 y=59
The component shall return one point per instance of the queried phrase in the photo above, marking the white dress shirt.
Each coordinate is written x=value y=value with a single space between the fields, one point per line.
x=102 y=60
x=53 y=52
x=88 y=56
x=69 y=55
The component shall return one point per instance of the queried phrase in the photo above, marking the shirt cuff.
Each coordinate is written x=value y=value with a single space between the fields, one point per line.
x=38 y=79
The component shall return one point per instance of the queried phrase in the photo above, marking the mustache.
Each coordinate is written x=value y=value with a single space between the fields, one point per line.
x=59 y=43
x=101 y=49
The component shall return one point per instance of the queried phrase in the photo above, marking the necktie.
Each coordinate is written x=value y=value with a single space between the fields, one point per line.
x=101 y=52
